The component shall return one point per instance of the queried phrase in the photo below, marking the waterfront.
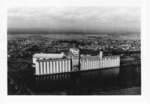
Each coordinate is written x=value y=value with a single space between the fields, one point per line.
x=126 y=82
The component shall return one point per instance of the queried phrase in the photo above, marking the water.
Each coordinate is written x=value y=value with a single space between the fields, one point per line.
x=125 y=80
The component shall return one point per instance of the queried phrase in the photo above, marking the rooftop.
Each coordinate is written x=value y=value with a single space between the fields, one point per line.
x=49 y=55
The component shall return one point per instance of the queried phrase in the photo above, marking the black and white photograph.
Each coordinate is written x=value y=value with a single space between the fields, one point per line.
x=74 y=49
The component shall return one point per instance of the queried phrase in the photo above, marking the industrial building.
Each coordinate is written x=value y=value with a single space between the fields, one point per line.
x=46 y=64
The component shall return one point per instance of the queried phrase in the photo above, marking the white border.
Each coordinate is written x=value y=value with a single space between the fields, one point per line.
x=145 y=36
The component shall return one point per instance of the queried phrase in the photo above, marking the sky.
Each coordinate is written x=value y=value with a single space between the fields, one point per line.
x=74 y=18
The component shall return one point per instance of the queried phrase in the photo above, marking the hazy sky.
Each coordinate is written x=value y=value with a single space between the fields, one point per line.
x=89 y=19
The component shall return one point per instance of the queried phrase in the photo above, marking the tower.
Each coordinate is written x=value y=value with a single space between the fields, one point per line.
x=100 y=54
x=74 y=55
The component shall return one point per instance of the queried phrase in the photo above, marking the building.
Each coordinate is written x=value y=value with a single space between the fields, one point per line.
x=56 y=63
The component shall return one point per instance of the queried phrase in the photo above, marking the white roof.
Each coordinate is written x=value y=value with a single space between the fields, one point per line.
x=49 y=55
